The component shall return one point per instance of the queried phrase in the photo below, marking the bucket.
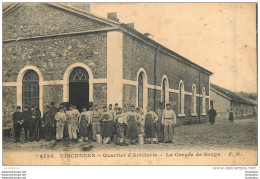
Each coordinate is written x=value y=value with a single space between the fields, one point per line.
x=141 y=139
x=80 y=140
x=98 y=138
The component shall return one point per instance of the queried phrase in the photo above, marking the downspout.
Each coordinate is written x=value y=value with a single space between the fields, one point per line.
x=154 y=94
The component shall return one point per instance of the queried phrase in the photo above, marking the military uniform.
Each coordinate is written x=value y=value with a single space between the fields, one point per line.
x=17 y=124
x=72 y=117
x=53 y=111
x=26 y=115
x=132 y=122
x=159 y=125
x=48 y=125
x=169 y=121
x=60 y=119
x=96 y=125
x=84 y=122
x=149 y=127
x=34 y=132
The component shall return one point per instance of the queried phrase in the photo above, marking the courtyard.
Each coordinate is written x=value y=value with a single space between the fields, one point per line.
x=242 y=134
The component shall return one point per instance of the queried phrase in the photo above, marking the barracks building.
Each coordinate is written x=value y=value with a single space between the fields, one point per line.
x=63 y=53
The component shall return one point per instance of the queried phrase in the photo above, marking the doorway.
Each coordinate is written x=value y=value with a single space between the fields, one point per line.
x=79 y=88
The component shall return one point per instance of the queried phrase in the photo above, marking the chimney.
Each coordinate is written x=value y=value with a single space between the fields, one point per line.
x=131 y=25
x=82 y=6
x=148 y=35
x=112 y=16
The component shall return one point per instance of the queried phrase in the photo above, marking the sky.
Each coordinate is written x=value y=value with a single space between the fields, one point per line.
x=220 y=37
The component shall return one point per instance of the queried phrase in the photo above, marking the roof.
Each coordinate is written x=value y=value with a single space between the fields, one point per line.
x=121 y=26
x=232 y=96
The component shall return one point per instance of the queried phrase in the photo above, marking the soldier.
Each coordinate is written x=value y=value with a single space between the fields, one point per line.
x=132 y=119
x=120 y=126
x=124 y=111
x=212 y=115
x=39 y=127
x=72 y=117
x=169 y=122
x=66 y=131
x=48 y=121
x=95 y=121
x=149 y=127
x=34 y=121
x=107 y=125
x=60 y=118
x=140 y=127
x=53 y=111
x=26 y=115
x=113 y=112
x=231 y=116
x=116 y=109
x=90 y=136
x=17 y=123
x=159 y=125
x=84 y=121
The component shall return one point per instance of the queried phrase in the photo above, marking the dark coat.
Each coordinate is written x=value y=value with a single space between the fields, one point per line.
x=47 y=119
x=53 y=111
x=212 y=115
x=17 y=118
x=26 y=115
x=231 y=115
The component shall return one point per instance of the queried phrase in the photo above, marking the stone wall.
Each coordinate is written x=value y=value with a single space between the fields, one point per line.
x=40 y=19
x=8 y=105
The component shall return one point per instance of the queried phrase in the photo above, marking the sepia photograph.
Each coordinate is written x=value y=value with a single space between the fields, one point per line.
x=129 y=84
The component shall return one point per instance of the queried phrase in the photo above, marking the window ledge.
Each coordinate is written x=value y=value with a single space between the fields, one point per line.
x=181 y=115
x=203 y=114
x=193 y=114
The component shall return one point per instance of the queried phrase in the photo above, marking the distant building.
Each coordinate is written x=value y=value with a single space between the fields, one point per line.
x=223 y=100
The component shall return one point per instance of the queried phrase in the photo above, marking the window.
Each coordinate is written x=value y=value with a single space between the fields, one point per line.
x=79 y=74
x=193 y=104
x=140 y=90
x=212 y=103
x=203 y=101
x=30 y=89
x=181 y=98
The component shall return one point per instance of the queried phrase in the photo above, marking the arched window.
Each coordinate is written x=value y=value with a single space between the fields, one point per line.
x=203 y=101
x=140 y=89
x=30 y=89
x=165 y=91
x=79 y=74
x=181 y=98
x=193 y=104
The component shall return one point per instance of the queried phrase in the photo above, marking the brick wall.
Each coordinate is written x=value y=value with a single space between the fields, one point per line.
x=129 y=95
x=138 y=54
x=151 y=98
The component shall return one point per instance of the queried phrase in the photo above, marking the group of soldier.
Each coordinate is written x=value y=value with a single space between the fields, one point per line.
x=119 y=125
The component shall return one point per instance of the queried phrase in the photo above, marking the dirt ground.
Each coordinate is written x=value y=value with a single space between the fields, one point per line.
x=242 y=134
